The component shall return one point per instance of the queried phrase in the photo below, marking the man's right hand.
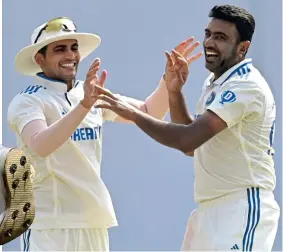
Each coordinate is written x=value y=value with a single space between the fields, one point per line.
x=92 y=79
x=177 y=66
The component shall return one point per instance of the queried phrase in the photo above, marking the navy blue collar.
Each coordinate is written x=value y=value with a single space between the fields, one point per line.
x=58 y=85
x=42 y=75
x=242 y=68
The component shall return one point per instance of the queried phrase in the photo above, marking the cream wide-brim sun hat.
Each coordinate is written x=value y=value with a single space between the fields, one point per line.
x=25 y=59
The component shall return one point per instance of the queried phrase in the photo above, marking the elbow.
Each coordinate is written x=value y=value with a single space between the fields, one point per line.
x=37 y=146
x=187 y=151
x=187 y=148
x=189 y=154
x=39 y=149
x=41 y=153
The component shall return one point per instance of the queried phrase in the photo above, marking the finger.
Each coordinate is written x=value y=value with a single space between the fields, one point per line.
x=104 y=106
x=178 y=59
x=101 y=81
x=182 y=46
x=93 y=71
x=95 y=63
x=190 y=49
x=104 y=91
x=91 y=79
x=169 y=59
x=181 y=61
x=191 y=59
x=176 y=54
x=106 y=99
x=189 y=40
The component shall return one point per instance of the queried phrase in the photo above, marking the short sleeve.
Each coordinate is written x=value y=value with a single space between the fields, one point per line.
x=23 y=109
x=237 y=100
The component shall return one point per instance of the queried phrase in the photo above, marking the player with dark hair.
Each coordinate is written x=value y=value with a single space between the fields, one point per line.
x=230 y=138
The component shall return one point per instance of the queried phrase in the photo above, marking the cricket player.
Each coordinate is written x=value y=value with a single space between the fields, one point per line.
x=15 y=194
x=59 y=128
x=230 y=138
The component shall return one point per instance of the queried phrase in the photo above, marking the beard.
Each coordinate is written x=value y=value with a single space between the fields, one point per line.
x=220 y=65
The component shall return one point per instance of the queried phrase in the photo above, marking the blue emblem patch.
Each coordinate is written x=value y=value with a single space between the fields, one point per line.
x=210 y=98
x=228 y=96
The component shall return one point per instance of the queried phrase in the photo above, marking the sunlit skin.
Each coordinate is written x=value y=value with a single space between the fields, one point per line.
x=61 y=61
x=222 y=46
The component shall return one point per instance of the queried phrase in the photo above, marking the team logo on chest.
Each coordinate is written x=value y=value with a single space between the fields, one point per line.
x=210 y=98
x=227 y=96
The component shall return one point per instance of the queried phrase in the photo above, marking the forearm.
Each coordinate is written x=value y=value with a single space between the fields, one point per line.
x=185 y=138
x=44 y=140
x=168 y=134
x=157 y=104
x=178 y=109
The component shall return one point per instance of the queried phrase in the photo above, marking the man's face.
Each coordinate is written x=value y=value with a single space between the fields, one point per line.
x=61 y=60
x=221 y=46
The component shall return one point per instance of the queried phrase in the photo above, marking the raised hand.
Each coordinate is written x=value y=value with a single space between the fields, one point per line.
x=178 y=63
x=92 y=80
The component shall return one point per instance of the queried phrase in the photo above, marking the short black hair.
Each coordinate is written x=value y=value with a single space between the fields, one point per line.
x=43 y=50
x=243 y=20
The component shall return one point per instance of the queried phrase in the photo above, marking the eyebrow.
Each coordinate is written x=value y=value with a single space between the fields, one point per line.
x=64 y=46
x=217 y=33
x=59 y=47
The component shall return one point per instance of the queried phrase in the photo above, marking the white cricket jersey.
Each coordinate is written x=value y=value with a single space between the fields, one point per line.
x=241 y=155
x=69 y=191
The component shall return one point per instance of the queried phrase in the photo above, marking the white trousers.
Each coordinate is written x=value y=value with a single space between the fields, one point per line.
x=65 y=240
x=245 y=221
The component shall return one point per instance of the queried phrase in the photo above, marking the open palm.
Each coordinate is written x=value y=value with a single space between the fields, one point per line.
x=178 y=62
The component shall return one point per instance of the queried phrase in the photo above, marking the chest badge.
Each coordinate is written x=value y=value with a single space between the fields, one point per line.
x=228 y=96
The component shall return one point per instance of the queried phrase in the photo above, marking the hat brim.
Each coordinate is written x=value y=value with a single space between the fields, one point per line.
x=25 y=62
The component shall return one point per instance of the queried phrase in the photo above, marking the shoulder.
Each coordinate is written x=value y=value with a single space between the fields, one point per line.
x=33 y=90
x=31 y=95
x=243 y=84
x=247 y=76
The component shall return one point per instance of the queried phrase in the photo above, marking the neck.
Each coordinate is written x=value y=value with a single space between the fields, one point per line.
x=225 y=68
x=69 y=83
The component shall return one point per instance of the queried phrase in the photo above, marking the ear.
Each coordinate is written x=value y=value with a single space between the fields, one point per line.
x=243 y=48
x=39 y=59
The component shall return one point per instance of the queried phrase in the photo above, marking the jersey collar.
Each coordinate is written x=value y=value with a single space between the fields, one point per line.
x=50 y=83
x=239 y=69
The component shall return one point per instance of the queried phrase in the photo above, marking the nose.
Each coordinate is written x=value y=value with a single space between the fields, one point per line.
x=70 y=54
x=208 y=42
